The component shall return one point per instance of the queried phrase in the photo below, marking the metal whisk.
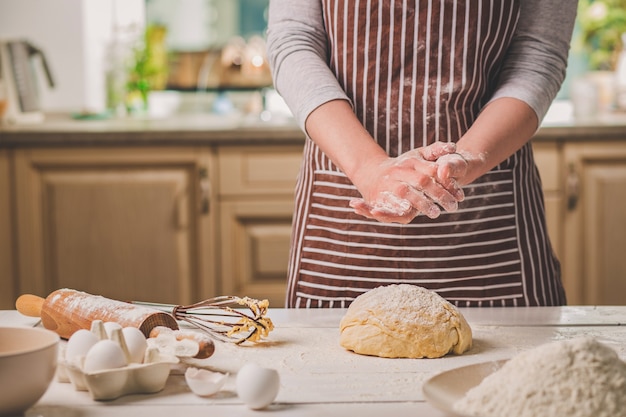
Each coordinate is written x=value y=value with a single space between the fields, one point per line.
x=227 y=318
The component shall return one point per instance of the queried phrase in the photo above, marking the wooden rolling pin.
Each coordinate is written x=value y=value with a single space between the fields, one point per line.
x=65 y=311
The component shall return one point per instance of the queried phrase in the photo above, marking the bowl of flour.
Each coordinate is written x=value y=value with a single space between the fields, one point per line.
x=580 y=377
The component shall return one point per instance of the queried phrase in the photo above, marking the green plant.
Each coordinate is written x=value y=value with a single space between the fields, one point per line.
x=149 y=70
x=601 y=24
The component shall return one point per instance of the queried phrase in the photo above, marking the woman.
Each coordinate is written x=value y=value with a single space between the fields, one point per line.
x=417 y=164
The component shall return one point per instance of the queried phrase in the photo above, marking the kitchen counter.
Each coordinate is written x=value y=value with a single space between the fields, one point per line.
x=211 y=129
x=318 y=377
x=180 y=130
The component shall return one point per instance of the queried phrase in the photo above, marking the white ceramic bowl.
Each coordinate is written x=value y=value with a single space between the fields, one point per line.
x=28 y=361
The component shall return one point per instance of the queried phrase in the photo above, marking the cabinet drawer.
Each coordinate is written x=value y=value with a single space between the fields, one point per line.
x=266 y=170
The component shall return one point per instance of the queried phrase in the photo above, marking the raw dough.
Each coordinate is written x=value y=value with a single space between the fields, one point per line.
x=404 y=321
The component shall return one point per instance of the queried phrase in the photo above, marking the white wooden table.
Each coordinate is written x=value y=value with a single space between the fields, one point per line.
x=319 y=378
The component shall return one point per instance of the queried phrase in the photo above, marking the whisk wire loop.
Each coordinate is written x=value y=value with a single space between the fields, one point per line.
x=226 y=318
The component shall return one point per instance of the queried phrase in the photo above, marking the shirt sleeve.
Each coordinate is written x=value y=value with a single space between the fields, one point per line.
x=535 y=65
x=297 y=42
x=533 y=69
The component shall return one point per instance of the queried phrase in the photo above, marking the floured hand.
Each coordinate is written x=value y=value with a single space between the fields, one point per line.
x=389 y=208
x=401 y=188
x=461 y=167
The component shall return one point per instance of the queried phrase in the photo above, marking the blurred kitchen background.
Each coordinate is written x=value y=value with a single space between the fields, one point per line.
x=114 y=56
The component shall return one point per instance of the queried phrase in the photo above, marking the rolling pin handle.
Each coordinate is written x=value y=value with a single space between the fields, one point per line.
x=29 y=305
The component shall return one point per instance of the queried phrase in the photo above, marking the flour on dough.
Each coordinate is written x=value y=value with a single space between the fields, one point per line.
x=404 y=321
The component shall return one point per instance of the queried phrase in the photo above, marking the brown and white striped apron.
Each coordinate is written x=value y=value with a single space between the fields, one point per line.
x=420 y=71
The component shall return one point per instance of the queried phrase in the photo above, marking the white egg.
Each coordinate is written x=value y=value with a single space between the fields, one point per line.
x=79 y=344
x=257 y=386
x=106 y=354
x=136 y=343
x=109 y=326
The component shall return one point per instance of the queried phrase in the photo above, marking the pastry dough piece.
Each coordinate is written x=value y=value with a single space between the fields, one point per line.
x=404 y=321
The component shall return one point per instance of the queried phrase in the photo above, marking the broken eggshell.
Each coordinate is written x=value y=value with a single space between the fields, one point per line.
x=168 y=344
x=203 y=382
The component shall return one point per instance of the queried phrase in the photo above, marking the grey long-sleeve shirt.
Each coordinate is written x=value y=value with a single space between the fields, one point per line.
x=533 y=71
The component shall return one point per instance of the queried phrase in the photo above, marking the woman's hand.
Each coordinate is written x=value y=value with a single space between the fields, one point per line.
x=455 y=166
x=398 y=189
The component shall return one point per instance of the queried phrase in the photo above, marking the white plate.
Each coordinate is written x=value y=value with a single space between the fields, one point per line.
x=444 y=389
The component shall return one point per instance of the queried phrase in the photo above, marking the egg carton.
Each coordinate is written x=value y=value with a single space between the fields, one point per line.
x=145 y=377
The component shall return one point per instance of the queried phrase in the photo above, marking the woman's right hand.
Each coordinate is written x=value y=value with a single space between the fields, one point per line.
x=398 y=189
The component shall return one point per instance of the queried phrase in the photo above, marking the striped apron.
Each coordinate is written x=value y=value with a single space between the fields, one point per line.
x=417 y=72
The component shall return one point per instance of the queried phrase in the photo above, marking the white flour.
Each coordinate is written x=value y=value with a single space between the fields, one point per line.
x=575 y=378
x=391 y=204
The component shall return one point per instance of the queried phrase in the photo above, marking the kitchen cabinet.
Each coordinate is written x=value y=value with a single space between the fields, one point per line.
x=584 y=186
x=594 y=227
x=256 y=186
x=548 y=160
x=126 y=223
x=7 y=276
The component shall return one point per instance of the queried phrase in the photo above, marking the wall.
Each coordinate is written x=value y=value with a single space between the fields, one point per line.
x=73 y=34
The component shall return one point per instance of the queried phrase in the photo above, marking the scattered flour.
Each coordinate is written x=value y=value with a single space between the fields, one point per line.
x=575 y=378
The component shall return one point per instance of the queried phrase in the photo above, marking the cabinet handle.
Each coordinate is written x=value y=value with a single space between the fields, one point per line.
x=572 y=187
x=205 y=191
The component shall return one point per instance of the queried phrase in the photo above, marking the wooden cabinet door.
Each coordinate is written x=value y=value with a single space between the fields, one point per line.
x=7 y=274
x=255 y=237
x=124 y=223
x=595 y=223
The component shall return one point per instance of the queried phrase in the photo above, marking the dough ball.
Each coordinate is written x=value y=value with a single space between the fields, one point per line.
x=404 y=321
